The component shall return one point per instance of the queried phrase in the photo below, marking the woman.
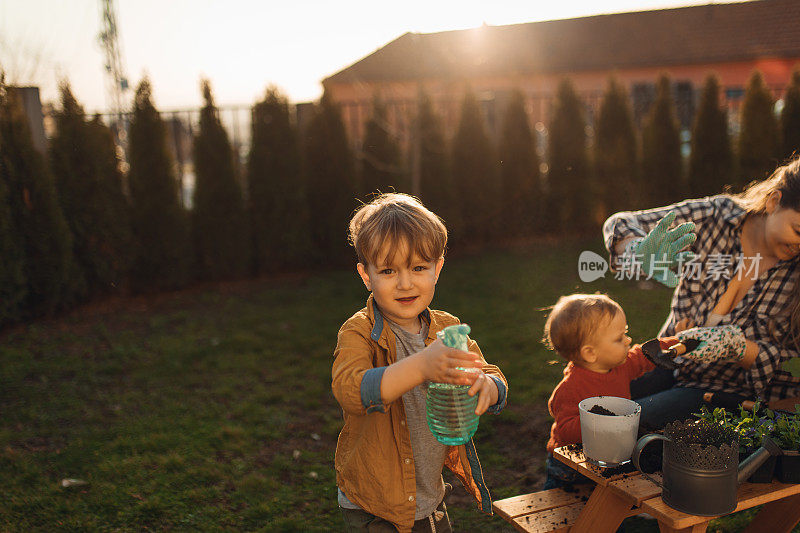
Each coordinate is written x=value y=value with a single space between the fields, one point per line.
x=743 y=276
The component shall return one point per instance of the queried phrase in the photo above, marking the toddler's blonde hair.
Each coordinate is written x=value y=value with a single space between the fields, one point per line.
x=574 y=319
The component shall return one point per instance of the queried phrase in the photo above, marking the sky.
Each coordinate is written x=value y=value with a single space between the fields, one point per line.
x=241 y=46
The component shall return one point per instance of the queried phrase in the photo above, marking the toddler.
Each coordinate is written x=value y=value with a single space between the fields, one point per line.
x=591 y=332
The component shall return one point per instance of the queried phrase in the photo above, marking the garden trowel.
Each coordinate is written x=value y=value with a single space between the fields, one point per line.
x=664 y=358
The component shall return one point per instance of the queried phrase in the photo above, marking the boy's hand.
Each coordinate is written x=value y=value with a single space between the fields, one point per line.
x=487 y=392
x=440 y=363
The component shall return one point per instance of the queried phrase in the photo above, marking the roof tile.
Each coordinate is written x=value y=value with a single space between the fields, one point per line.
x=691 y=35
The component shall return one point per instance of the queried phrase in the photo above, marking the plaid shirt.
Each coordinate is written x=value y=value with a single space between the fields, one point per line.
x=762 y=313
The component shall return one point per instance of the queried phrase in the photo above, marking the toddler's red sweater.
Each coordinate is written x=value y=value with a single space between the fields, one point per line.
x=579 y=383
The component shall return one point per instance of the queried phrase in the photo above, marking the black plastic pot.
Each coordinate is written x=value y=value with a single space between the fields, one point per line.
x=765 y=472
x=788 y=470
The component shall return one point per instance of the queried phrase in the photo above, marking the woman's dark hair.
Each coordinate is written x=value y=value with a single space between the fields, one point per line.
x=786 y=181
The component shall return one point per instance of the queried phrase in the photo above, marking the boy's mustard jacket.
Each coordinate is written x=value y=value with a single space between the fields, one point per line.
x=374 y=461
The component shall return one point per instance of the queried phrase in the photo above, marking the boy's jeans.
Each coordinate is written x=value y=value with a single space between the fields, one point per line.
x=358 y=521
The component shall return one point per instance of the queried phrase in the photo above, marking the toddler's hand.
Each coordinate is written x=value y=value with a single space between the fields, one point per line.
x=487 y=392
x=440 y=364
x=719 y=342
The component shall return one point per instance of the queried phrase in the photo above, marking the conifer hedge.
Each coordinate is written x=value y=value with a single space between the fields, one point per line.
x=570 y=189
x=162 y=246
x=519 y=171
x=615 y=151
x=711 y=159
x=790 y=116
x=436 y=187
x=276 y=190
x=382 y=167
x=759 y=135
x=662 y=163
x=332 y=186
x=89 y=184
x=219 y=231
x=72 y=232
x=53 y=280
x=13 y=287
x=475 y=174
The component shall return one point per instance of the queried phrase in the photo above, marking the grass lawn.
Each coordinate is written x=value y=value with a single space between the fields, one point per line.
x=211 y=409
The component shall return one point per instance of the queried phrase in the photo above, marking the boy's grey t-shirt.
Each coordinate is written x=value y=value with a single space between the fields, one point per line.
x=429 y=453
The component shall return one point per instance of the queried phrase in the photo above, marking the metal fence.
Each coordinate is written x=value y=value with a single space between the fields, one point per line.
x=183 y=124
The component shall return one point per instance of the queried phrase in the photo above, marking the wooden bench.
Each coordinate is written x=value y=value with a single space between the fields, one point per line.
x=544 y=511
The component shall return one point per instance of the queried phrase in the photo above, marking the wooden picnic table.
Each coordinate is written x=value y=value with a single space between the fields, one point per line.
x=603 y=507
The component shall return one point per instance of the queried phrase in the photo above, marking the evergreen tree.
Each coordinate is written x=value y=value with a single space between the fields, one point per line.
x=116 y=204
x=790 y=116
x=89 y=184
x=13 y=288
x=758 y=140
x=276 y=192
x=662 y=164
x=475 y=174
x=615 y=151
x=332 y=188
x=219 y=232
x=162 y=248
x=53 y=280
x=436 y=188
x=381 y=168
x=711 y=160
x=519 y=171
x=568 y=179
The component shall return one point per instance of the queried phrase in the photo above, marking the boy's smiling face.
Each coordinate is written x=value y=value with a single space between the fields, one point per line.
x=403 y=287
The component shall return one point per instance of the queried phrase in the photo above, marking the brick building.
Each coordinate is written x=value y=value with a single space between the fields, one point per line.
x=688 y=43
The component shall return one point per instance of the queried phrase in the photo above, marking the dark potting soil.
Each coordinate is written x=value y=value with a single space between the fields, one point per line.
x=599 y=410
x=627 y=468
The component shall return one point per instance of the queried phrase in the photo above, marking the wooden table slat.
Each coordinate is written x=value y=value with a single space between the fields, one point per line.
x=577 y=460
x=779 y=516
x=637 y=487
x=749 y=495
x=526 y=504
x=553 y=520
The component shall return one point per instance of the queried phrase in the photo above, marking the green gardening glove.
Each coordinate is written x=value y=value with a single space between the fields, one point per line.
x=719 y=342
x=792 y=366
x=658 y=252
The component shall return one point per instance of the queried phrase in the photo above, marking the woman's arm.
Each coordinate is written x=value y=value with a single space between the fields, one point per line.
x=621 y=228
x=750 y=354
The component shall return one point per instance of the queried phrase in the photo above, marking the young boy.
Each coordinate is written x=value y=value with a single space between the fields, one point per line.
x=388 y=463
x=591 y=332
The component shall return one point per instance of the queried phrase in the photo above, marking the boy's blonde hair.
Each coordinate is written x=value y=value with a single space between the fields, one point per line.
x=396 y=218
x=574 y=319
